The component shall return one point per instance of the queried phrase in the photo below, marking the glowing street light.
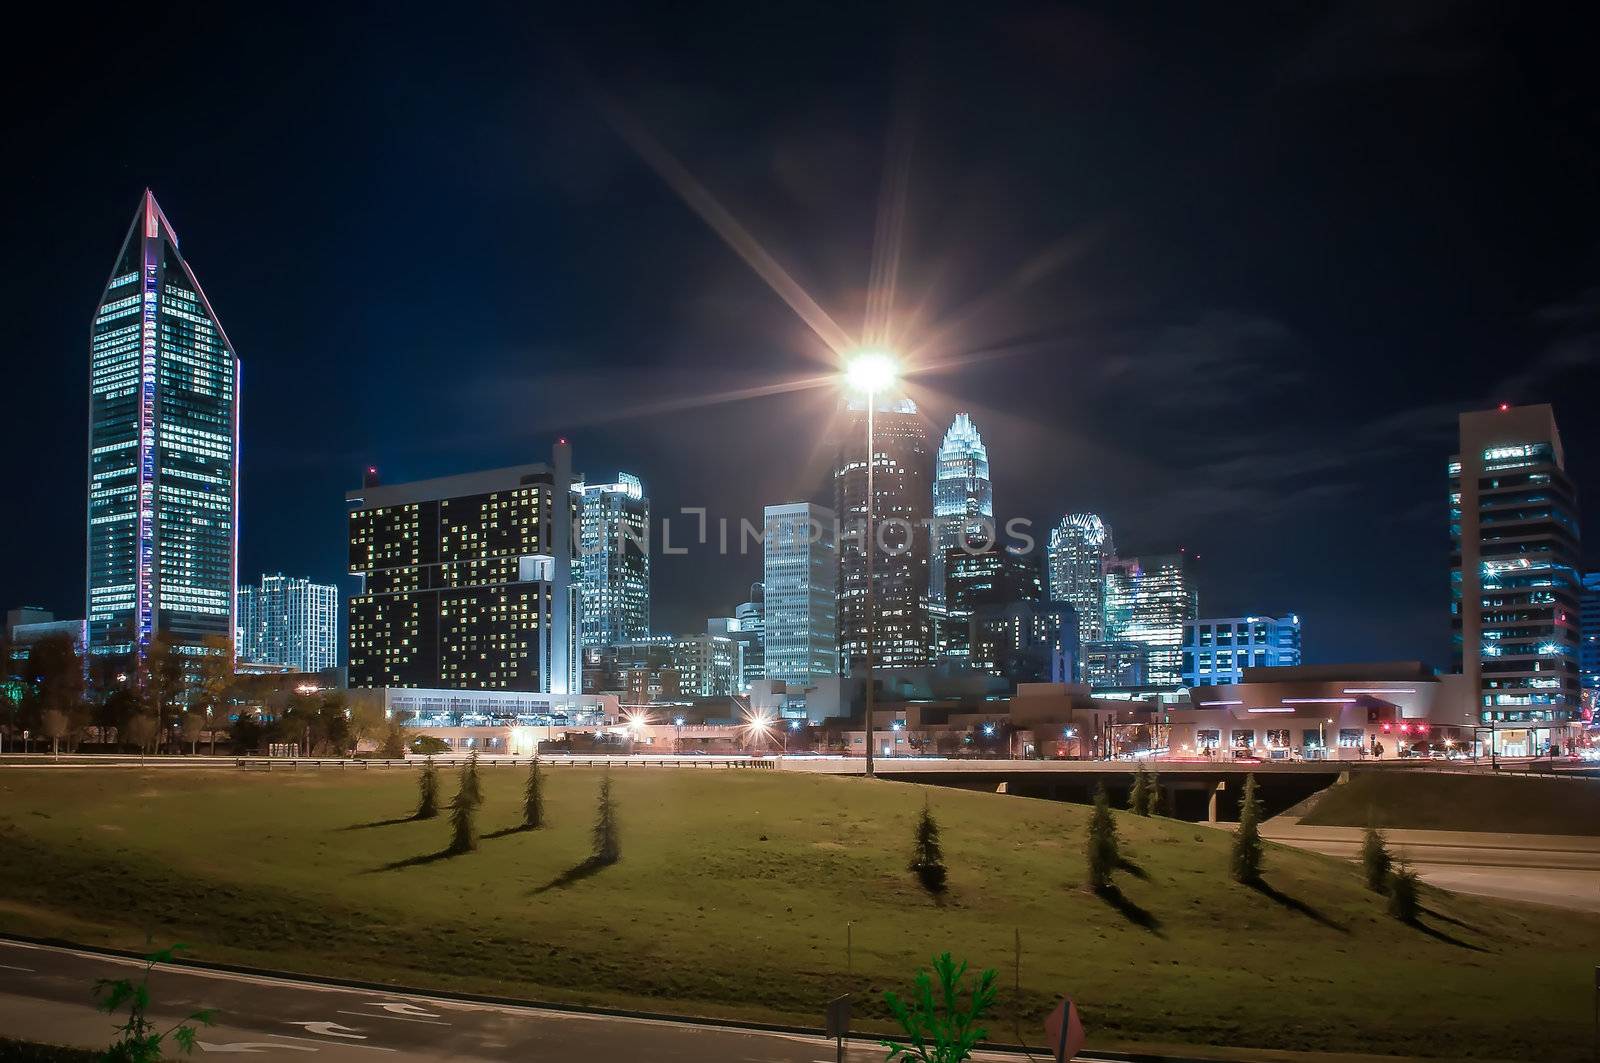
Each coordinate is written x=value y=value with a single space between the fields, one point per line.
x=870 y=372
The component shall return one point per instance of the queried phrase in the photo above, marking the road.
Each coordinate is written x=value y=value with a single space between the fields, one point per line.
x=1553 y=869
x=45 y=995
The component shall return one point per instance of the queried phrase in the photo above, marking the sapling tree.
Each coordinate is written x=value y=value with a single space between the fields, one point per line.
x=927 y=857
x=1139 y=795
x=463 y=819
x=533 y=796
x=1405 y=902
x=427 y=791
x=139 y=1040
x=607 y=836
x=940 y=1028
x=1102 y=850
x=1376 y=862
x=1246 y=863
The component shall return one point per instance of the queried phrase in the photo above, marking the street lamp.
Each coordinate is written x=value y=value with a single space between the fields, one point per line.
x=677 y=737
x=870 y=372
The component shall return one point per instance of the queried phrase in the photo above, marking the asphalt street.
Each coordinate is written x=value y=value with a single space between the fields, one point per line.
x=45 y=995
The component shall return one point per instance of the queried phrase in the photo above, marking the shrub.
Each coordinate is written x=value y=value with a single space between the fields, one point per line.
x=1102 y=841
x=1247 y=840
x=471 y=785
x=940 y=1030
x=139 y=1040
x=927 y=858
x=1375 y=860
x=1154 y=800
x=533 y=796
x=1404 y=902
x=427 y=792
x=1139 y=795
x=607 y=838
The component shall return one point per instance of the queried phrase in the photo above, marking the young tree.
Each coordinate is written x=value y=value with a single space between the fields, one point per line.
x=607 y=839
x=164 y=684
x=191 y=725
x=1404 y=901
x=393 y=746
x=1102 y=849
x=927 y=858
x=471 y=785
x=1139 y=795
x=463 y=819
x=54 y=724
x=54 y=688
x=427 y=791
x=1247 y=839
x=247 y=732
x=938 y=1029
x=141 y=729
x=216 y=683
x=533 y=796
x=1154 y=798
x=139 y=1039
x=1375 y=860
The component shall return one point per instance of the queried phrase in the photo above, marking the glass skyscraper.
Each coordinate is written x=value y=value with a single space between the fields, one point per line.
x=963 y=500
x=1217 y=651
x=800 y=625
x=291 y=622
x=900 y=513
x=163 y=454
x=1147 y=601
x=1515 y=584
x=613 y=562
x=1078 y=551
x=1589 y=630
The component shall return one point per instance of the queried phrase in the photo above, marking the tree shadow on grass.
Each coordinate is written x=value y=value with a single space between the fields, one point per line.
x=1452 y=920
x=504 y=832
x=1294 y=904
x=416 y=861
x=1124 y=864
x=577 y=873
x=382 y=823
x=1448 y=939
x=1133 y=913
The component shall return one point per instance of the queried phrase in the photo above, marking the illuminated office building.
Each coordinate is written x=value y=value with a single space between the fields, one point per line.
x=976 y=578
x=1077 y=554
x=613 y=562
x=901 y=512
x=467 y=581
x=1514 y=581
x=1589 y=632
x=963 y=499
x=1217 y=651
x=163 y=448
x=292 y=622
x=800 y=631
x=1147 y=601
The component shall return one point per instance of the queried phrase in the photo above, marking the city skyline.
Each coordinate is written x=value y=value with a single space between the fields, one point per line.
x=1247 y=321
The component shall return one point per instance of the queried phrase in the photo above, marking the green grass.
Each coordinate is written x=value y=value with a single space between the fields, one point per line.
x=733 y=893
x=1427 y=801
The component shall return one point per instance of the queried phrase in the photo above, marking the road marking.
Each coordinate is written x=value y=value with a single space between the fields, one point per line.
x=396 y=1018
x=9 y=967
x=251 y=1047
x=331 y=1029
x=400 y=1008
x=310 y=1040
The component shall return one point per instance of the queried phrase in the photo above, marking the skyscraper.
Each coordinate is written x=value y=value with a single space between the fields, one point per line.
x=1514 y=581
x=901 y=512
x=1148 y=600
x=1079 y=549
x=291 y=622
x=163 y=453
x=467 y=581
x=993 y=576
x=1217 y=651
x=613 y=563
x=798 y=615
x=963 y=499
x=1589 y=630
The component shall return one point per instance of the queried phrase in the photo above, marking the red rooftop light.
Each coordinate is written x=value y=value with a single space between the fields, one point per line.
x=1504 y=406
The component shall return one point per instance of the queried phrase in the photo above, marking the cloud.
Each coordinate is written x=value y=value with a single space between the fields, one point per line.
x=1574 y=347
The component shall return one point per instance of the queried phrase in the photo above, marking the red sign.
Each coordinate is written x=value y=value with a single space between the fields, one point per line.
x=1065 y=1031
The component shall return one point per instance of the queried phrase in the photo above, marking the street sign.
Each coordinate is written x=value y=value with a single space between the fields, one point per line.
x=837 y=1022
x=1065 y=1031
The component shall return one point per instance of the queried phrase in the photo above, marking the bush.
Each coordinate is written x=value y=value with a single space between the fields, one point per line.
x=1404 y=901
x=471 y=785
x=463 y=824
x=1139 y=795
x=937 y=1028
x=1247 y=840
x=1375 y=860
x=427 y=745
x=1102 y=841
x=607 y=838
x=427 y=792
x=533 y=796
x=927 y=858
x=1154 y=800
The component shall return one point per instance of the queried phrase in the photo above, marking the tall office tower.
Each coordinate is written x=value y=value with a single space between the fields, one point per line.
x=975 y=578
x=1514 y=581
x=614 y=562
x=163 y=453
x=900 y=517
x=1589 y=631
x=291 y=622
x=799 y=615
x=963 y=499
x=1148 y=600
x=1217 y=651
x=751 y=616
x=1079 y=550
x=467 y=581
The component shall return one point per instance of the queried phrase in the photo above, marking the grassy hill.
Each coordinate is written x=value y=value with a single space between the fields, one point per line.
x=1501 y=804
x=733 y=893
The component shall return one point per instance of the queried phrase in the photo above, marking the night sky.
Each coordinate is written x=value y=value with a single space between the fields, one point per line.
x=1223 y=273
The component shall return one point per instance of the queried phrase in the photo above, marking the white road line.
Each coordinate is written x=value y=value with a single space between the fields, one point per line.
x=9 y=967
x=336 y=1044
x=396 y=1018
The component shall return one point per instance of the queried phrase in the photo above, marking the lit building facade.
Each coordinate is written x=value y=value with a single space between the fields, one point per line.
x=1589 y=633
x=163 y=454
x=703 y=666
x=1514 y=580
x=1076 y=558
x=1148 y=600
x=292 y=622
x=1218 y=651
x=799 y=618
x=467 y=581
x=614 y=562
x=977 y=578
x=963 y=499
x=1115 y=663
x=901 y=514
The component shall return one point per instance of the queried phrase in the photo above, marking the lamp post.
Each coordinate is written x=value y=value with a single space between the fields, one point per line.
x=870 y=372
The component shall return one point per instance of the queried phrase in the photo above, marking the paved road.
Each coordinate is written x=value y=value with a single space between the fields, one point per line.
x=45 y=996
x=1553 y=869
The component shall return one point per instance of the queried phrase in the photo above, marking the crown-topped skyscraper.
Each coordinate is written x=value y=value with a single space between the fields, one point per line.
x=163 y=453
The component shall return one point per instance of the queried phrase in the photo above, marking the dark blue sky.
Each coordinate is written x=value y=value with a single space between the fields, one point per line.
x=1234 y=268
